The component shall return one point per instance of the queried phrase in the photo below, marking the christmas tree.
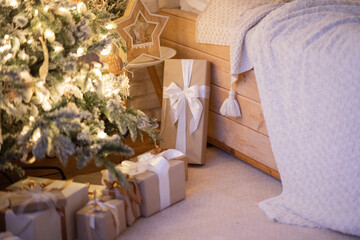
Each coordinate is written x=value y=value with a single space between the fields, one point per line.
x=57 y=97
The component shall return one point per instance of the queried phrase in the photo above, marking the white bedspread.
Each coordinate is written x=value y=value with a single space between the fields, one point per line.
x=213 y=25
x=306 y=56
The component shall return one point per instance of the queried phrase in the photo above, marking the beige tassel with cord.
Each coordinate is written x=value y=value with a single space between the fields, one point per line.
x=231 y=107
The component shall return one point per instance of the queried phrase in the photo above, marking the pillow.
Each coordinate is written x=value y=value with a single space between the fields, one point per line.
x=193 y=6
x=168 y=3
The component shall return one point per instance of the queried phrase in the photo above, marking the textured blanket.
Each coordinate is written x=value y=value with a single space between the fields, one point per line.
x=306 y=56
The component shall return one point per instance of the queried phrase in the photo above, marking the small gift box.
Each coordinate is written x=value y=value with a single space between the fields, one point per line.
x=101 y=220
x=131 y=196
x=185 y=108
x=76 y=195
x=160 y=177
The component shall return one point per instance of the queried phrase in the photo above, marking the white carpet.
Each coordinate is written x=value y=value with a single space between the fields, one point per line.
x=222 y=203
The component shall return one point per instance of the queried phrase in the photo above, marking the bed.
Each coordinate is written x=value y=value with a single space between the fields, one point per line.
x=245 y=138
x=305 y=56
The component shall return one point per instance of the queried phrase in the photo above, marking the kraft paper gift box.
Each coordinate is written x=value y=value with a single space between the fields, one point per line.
x=41 y=225
x=131 y=196
x=106 y=223
x=185 y=110
x=160 y=178
x=76 y=195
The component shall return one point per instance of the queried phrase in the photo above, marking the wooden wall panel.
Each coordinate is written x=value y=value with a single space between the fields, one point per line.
x=245 y=140
x=252 y=115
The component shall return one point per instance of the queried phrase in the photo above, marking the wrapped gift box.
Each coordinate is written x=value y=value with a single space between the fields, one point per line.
x=131 y=197
x=161 y=179
x=76 y=195
x=183 y=127
x=106 y=224
x=41 y=225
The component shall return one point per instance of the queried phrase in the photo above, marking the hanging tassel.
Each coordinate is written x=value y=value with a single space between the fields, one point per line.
x=230 y=107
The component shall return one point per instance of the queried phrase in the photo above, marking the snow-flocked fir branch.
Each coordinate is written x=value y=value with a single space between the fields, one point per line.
x=56 y=97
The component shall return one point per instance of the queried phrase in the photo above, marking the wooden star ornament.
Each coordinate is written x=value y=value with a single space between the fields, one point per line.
x=141 y=31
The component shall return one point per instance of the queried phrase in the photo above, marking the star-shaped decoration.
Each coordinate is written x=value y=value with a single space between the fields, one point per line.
x=141 y=30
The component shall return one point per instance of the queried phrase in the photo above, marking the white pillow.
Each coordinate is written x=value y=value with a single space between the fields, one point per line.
x=168 y=3
x=193 y=6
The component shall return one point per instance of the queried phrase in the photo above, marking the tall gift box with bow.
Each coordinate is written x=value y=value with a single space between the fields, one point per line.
x=186 y=107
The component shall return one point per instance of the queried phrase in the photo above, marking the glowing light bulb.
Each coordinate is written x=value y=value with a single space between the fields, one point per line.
x=36 y=12
x=97 y=72
x=31 y=118
x=62 y=9
x=102 y=134
x=6 y=37
x=49 y=35
x=103 y=36
x=106 y=51
x=110 y=26
x=80 y=52
x=36 y=135
x=67 y=79
x=58 y=49
x=46 y=8
x=13 y=3
x=29 y=41
x=81 y=7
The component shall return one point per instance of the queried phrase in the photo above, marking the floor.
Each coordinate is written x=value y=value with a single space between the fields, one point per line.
x=222 y=203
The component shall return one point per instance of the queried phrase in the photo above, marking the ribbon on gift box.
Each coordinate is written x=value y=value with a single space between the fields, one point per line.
x=178 y=100
x=158 y=164
x=133 y=193
x=33 y=192
x=99 y=206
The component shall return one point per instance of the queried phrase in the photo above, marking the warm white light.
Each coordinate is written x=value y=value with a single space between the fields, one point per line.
x=67 y=79
x=39 y=25
x=62 y=9
x=29 y=41
x=97 y=72
x=49 y=35
x=36 y=135
x=103 y=36
x=81 y=7
x=97 y=65
x=7 y=57
x=80 y=51
x=5 y=47
x=106 y=51
x=46 y=8
x=31 y=118
x=36 y=12
x=6 y=37
x=58 y=49
x=110 y=26
x=13 y=3
x=102 y=134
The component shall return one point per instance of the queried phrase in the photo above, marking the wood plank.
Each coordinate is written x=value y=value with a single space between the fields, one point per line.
x=179 y=13
x=252 y=115
x=246 y=85
x=244 y=158
x=145 y=102
x=182 y=30
x=245 y=140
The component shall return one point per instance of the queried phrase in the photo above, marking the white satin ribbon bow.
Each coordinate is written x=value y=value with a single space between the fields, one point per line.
x=156 y=163
x=178 y=99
